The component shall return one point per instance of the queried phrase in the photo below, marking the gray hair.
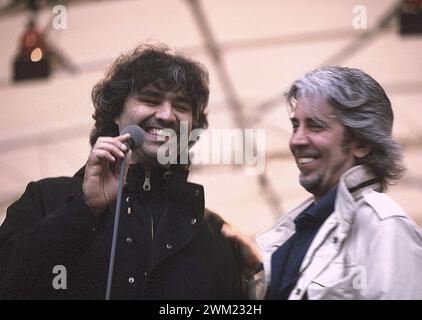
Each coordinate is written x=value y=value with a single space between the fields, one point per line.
x=363 y=108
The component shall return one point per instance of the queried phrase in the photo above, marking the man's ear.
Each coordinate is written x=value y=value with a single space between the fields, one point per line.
x=361 y=149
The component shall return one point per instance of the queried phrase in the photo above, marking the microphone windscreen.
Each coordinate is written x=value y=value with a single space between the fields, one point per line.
x=136 y=136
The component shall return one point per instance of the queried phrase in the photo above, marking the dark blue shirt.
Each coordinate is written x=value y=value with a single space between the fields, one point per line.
x=286 y=260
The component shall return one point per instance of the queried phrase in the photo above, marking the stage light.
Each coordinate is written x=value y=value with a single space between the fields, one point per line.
x=32 y=60
x=411 y=17
x=36 y=55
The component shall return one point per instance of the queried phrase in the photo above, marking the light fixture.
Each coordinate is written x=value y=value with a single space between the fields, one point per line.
x=32 y=60
x=411 y=17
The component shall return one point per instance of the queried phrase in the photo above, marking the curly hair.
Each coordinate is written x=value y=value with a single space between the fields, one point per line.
x=363 y=108
x=148 y=64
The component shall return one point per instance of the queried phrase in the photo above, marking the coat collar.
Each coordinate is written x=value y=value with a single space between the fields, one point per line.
x=352 y=185
x=172 y=185
x=137 y=170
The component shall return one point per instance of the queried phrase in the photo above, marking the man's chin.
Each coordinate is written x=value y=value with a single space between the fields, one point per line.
x=309 y=183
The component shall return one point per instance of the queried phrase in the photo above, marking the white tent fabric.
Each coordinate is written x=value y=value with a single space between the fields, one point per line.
x=265 y=45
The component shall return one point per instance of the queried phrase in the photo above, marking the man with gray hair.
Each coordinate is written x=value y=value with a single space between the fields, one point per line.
x=350 y=240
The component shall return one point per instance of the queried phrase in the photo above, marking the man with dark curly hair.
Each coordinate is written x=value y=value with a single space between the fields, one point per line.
x=55 y=241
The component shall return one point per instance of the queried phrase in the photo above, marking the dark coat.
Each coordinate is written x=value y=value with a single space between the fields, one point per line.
x=50 y=225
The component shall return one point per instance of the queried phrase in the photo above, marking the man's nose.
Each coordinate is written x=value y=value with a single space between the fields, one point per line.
x=165 y=112
x=299 y=137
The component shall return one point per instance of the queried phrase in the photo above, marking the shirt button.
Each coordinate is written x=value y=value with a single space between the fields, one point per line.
x=169 y=246
x=298 y=291
x=196 y=192
x=335 y=240
x=127 y=199
x=167 y=175
x=131 y=280
x=145 y=274
x=128 y=240
x=193 y=221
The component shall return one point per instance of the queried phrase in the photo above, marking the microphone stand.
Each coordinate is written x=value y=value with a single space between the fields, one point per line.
x=115 y=230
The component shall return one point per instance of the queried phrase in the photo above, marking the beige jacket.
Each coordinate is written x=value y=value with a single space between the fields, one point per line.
x=368 y=248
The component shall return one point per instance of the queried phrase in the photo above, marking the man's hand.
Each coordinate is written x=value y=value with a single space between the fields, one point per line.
x=102 y=170
x=250 y=256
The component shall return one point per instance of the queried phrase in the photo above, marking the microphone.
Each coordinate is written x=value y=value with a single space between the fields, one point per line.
x=135 y=141
x=136 y=136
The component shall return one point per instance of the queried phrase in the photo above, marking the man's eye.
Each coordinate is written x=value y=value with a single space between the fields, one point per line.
x=182 y=106
x=149 y=101
x=316 y=127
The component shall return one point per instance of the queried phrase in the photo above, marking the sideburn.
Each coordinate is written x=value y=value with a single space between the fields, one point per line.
x=347 y=140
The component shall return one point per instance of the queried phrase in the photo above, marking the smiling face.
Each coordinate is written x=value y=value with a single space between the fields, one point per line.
x=154 y=110
x=319 y=146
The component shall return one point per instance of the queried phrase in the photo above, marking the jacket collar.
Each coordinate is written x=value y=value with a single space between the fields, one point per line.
x=178 y=171
x=351 y=187
x=353 y=184
x=169 y=182
x=158 y=178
